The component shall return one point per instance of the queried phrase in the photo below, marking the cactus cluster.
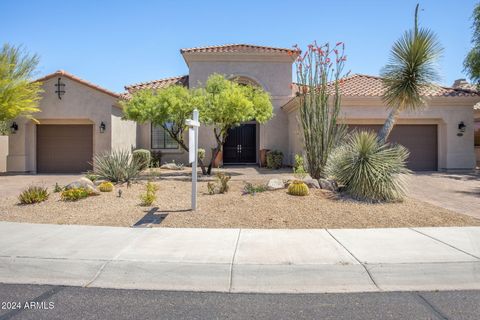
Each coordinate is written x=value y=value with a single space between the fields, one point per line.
x=298 y=188
x=105 y=187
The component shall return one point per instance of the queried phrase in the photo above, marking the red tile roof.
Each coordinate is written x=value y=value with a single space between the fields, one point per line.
x=63 y=73
x=361 y=85
x=155 y=84
x=240 y=48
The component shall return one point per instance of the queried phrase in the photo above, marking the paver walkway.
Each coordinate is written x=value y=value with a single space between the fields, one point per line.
x=241 y=260
x=459 y=192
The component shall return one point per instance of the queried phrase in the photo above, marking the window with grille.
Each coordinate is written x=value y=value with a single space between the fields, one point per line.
x=161 y=139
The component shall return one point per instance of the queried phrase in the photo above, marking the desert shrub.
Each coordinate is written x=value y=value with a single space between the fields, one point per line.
x=105 y=187
x=117 y=166
x=155 y=159
x=221 y=185
x=201 y=154
x=33 y=194
x=223 y=180
x=91 y=176
x=57 y=188
x=274 y=159
x=369 y=169
x=75 y=194
x=211 y=187
x=142 y=157
x=299 y=167
x=149 y=197
x=252 y=189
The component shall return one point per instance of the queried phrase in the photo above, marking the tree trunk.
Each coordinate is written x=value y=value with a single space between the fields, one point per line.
x=388 y=126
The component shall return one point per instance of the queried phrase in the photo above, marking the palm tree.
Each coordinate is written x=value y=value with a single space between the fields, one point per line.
x=410 y=71
x=19 y=96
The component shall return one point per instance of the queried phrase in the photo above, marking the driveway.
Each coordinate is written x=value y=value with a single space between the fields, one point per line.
x=459 y=192
x=12 y=185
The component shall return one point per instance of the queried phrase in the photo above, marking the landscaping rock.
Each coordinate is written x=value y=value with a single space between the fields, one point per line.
x=99 y=182
x=171 y=166
x=275 y=184
x=312 y=183
x=328 y=184
x=83 y=182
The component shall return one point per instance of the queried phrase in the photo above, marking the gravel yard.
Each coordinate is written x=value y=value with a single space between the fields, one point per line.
x=271 y=209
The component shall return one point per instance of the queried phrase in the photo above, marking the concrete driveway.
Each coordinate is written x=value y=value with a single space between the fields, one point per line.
x=459 y=192
x=12 y=185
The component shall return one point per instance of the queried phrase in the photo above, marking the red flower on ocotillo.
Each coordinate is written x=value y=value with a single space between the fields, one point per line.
x=339 y=43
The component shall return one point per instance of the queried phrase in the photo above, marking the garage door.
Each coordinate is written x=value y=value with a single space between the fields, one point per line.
x=421 y=141
x=64 y=148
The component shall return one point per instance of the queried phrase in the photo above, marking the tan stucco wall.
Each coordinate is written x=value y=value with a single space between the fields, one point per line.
x=124 y=132
x=454 y=152
x=3 y=153
x=79 y=105
x=273 y=73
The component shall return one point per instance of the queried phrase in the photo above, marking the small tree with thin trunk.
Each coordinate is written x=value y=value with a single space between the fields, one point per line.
x=168 y=108
x=19 y=96
x=226 y=104
x=319 y=75
x=410 y=72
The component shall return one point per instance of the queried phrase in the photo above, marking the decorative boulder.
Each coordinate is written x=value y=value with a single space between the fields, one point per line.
x=275 y=184
x=171 y=166
x=312 y=183
x=84 y=183
x=328 y=184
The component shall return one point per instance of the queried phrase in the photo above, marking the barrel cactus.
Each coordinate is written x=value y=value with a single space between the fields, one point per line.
x=106 y=187
x=298 y=188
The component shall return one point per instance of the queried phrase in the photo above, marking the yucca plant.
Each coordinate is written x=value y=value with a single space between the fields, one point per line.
x=117 y=166
x=409 y=73
x=369 y=169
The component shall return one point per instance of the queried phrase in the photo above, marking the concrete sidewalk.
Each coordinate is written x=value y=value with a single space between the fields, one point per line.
x=234 y=260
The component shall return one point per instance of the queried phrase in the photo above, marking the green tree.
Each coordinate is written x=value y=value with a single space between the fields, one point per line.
x=225 y=104
x=411 y=70
x=168 y=108
x=19 y=96
x=471 y=63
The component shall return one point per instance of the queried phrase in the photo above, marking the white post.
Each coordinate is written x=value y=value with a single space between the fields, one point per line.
x=193 y=153
x=195 y=162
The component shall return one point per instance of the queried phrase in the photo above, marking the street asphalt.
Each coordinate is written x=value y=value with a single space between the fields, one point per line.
x=61 y=302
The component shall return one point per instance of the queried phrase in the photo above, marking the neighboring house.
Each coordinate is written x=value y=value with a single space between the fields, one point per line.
x=70 y=132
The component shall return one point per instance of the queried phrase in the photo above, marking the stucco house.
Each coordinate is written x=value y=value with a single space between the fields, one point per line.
x=79 y=119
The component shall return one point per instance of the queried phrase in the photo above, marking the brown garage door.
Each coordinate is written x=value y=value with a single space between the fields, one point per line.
x=421 y=141
x=64 y=148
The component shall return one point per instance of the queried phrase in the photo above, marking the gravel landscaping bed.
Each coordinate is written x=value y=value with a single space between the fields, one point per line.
x=271 y=209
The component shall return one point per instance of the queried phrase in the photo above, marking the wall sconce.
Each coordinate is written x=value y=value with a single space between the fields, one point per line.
x=461 y=128
x=60 y=88
x=103 y=126
x=14 y=127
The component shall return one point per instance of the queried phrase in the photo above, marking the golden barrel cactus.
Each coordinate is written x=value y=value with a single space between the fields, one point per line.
x=298 y=188
x=105 y=187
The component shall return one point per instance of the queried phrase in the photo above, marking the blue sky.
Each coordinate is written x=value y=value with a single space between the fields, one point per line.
x=114 y=43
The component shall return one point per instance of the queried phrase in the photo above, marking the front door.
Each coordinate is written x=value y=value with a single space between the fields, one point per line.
x=241 y=145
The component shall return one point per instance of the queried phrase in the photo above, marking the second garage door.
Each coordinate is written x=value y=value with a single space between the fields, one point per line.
x=64 y=148
x=421 y=141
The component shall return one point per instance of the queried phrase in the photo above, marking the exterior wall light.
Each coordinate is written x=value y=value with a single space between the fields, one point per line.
x=14 y=127
x=461 y=128
x=60 y=91
x=103 y=126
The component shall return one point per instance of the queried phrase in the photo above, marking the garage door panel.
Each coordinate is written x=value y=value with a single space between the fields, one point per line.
x=64 y=148
x=420 y=140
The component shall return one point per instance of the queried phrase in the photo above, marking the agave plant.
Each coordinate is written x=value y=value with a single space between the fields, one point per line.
x=369 y=169
x=117 y=166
